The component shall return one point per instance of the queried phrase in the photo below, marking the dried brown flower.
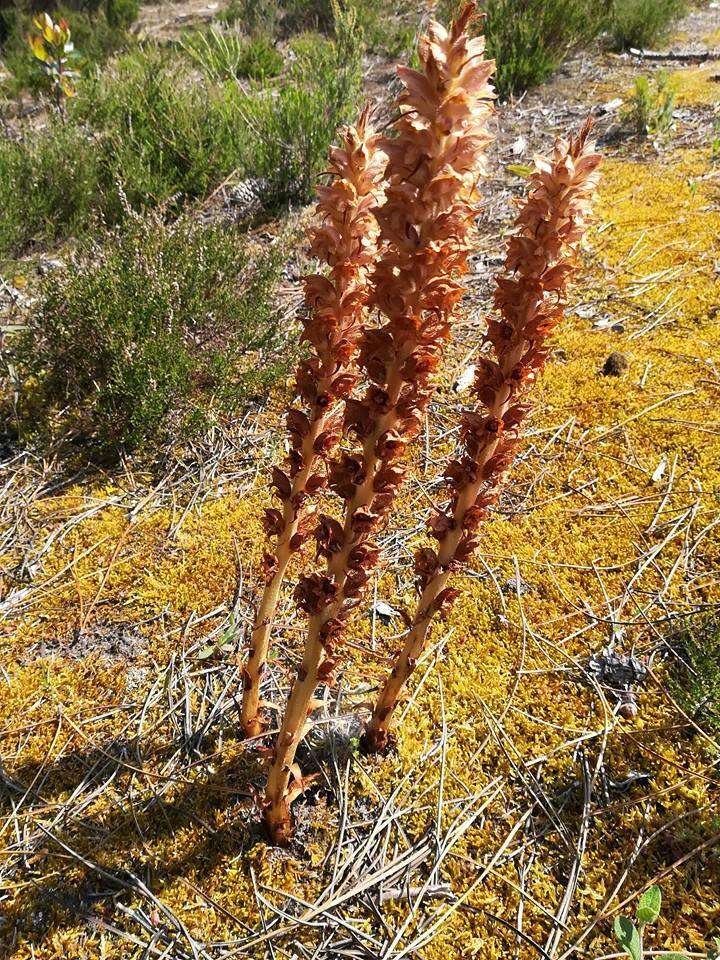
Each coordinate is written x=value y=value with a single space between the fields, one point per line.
x=427 y=230
x=529 y=303
x=346 y=239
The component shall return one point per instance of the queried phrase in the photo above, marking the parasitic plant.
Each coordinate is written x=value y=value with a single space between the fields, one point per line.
x=530 y=297
x=427 y=232
x=345 y=239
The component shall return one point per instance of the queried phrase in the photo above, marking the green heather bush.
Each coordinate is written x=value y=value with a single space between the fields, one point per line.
x=390 y=29
x=160 y=136
x=530 y=38
x=254 y=17
x=307 y=15
x=149 y=335
x=140 y=133
x=135 y=129
x=223 y=55
x=643 y=23
x=49 y=185
x=122 y=13
x=292 y=128
x=283 y=16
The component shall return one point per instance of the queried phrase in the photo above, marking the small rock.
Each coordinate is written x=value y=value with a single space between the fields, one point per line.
x=611 y=106
x=50 y=266
x=615 y=365
x=519 y=587
x=385 y=613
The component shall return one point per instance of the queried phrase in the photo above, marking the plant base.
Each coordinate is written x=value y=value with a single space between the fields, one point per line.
x=376 y=741
x=278 y=824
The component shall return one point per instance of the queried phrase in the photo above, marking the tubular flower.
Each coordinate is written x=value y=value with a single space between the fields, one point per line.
x=529 y=302
x=427 y=231
x=346 y=238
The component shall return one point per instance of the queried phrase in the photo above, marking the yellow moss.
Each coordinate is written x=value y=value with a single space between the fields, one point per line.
x=582 y=524
x=712 y=39
x=695 y=86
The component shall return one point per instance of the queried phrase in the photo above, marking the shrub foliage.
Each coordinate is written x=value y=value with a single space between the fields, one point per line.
x=140 y=131
x=292 y=129
x=530 y=38
x=643 y=23
x=150 y=335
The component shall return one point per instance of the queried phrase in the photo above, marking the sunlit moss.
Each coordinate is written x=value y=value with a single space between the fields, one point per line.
x=576 y=540
x=695 y=86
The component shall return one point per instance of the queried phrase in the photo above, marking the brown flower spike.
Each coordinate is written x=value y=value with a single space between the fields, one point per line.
x=346 y=239
x=427 y=229
x=530 y=299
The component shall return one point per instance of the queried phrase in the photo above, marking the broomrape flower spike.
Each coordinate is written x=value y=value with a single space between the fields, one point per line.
x=346 y=239
x=427 y=231
x=529 y=301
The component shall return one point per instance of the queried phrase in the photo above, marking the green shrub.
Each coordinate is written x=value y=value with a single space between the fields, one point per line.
x=149 y=335
x=223 y=55
x=122 y=13
x=261 y=59
x=650 y=109
x=136 y=135
x=292 y=129
x=643 y=23
x=142 y=132
x=300 y=15
x=160 y=135
x=695 y=683
x=253 y=16
x=49 y=185
x=391 y=31
x=529 y=39
x=279 y=16
x=387 y=29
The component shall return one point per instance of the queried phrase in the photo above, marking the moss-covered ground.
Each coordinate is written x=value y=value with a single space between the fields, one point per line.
x=535 y=804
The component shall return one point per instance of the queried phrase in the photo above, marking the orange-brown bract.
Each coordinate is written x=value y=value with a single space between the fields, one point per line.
x=346 y=239
x=427 y=231
x=530 y=299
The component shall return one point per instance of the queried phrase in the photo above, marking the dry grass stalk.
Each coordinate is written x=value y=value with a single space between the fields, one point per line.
x=345 y=239
x=530 y=299
x=427 y=228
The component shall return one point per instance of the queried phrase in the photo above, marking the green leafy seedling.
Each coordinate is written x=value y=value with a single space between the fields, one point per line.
x=648 y=908
x=630 y=936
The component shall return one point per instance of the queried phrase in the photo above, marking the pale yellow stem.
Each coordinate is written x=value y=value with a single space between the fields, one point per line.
x=375 y=739
x=251 y=719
